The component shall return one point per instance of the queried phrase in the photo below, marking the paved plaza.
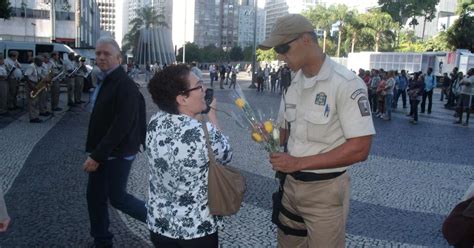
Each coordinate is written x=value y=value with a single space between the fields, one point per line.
x=400 y=196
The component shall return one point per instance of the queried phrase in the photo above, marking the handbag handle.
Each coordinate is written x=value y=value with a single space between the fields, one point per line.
x=212 y=158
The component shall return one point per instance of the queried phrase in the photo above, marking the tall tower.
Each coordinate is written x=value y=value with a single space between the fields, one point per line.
x=107 y=10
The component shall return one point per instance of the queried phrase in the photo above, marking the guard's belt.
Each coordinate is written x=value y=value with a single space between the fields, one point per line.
x=310 y=176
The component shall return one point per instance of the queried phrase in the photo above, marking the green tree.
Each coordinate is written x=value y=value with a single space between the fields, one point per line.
x=438 y=43
x=193 y=53
x=266 y=55
x=461 y=33
x=236 y=54
x=146 y=18
x=320 y=17
x=380 y=25
x=354 y=26
x=401 y=10
x=248 y=53
x=340 y=14
x=5 y=9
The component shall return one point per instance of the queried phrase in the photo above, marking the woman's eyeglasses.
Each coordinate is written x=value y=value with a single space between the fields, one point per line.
x=199 y=86
x=283 y=48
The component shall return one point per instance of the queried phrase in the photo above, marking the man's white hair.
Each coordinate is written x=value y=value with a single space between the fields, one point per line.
x=110 y=41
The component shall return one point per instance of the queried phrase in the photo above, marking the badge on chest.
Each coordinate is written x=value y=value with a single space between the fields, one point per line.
x=320 y=99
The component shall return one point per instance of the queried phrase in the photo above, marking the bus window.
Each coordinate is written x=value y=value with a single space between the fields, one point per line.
x=42 y=48
x=24 y=56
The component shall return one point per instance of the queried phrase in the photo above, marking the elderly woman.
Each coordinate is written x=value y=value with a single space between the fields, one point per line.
x=178 y=213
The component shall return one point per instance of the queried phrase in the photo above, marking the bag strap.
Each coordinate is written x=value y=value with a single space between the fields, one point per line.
x=212 y=158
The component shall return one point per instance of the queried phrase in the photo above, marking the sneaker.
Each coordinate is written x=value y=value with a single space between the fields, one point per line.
x=413 y=122
x=35 y=120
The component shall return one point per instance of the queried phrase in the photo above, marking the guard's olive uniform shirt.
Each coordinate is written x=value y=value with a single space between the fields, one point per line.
x=325 y=110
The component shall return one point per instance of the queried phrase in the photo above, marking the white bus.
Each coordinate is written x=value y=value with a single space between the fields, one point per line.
x=28 y=50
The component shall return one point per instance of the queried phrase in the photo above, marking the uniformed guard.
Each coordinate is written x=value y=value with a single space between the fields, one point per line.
x=14 y=76
x=327 y=114
x=43 y=96
x=3 y=87
x=79 y=79
x=57 y=68
x=70 y=69
x=33 y=74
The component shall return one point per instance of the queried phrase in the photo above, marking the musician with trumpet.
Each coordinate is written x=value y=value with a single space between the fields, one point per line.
x=70 y=69
x=43 y=95
x=14 y=76
x=57 y=69
x=34 y=74
x=79 y=79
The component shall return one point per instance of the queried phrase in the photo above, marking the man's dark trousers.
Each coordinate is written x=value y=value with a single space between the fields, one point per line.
x=428 y=94
x=403 y=93
x=109 y=182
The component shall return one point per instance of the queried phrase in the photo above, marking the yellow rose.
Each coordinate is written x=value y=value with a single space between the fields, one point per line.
x=240 y=103
x=268 y=125
x=257 y=137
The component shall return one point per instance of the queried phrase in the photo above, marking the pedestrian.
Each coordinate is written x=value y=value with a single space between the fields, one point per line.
x=212 y=74
x=430 y=84
x=43 y=96
x=196 y=70
x=401 y=89
x=260 y=79
x=233 y=78
x=117 y=128
x=273 y=80
x=222 y=72
x=374 y=84
x=4 y=218
x=79 y=79
x=388 y=93
x=415 y=92
x=466 y=96
x=323 y=142
x=178 y=212
x=445 y=87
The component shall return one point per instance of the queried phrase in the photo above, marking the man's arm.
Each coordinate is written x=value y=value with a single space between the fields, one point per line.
x=352 y=151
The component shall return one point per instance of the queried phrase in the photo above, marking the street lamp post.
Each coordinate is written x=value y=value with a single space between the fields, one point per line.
x=184 y=43
x=34 y=31
x=254 y=57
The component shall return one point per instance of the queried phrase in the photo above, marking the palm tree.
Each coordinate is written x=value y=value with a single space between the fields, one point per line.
x=378 y=23
x=320 y=17
x=146 y=18
x=354 y=26
x=339 y=13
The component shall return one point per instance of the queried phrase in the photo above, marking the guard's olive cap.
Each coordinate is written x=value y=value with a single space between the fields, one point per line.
x=286 y=29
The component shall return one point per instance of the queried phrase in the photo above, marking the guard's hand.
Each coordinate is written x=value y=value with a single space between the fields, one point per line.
x=90 y=165
x=283 y=162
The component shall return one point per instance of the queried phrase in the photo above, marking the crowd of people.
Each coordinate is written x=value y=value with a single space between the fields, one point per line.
x=386 y=88
x=41 y=80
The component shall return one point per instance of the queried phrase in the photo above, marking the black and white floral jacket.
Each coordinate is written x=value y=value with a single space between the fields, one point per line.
x=179 y=164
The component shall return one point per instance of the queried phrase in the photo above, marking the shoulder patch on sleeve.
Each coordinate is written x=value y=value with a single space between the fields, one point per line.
x=364 y=106
x=356 y=93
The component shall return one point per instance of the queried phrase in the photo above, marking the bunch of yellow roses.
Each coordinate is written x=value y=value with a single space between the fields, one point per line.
x=263 y=132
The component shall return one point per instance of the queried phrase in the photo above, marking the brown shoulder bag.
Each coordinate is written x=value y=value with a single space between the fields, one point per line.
x=226 y=186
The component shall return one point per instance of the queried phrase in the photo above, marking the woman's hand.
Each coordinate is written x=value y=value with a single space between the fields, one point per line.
x=212 y=115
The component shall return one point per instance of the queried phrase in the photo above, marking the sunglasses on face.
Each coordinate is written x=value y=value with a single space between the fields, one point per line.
x=199 y=86
x=283 y=48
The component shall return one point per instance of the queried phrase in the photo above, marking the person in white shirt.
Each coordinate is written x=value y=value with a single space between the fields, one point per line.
x=465 y=97
x=34 y=75
x=15 y=74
